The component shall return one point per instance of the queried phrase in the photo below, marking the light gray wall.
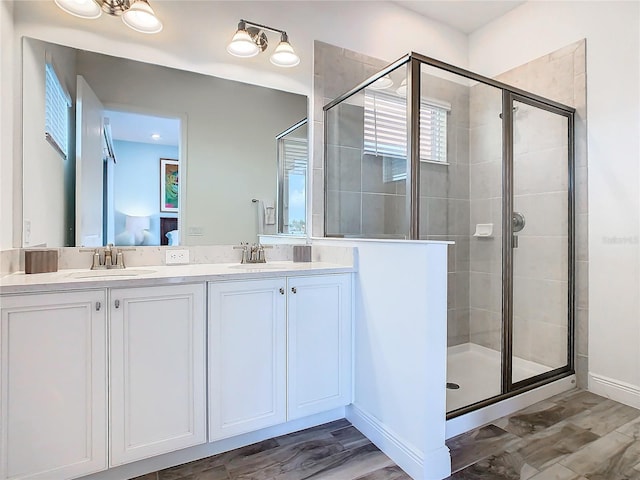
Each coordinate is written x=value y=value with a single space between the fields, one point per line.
x=48 y=178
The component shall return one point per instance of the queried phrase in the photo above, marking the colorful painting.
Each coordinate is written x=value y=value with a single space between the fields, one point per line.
x=169 y=188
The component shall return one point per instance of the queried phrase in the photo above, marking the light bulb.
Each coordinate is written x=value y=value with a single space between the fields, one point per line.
x=80 y=8
x=284 y=55
x=242 y=45
x=141 y=17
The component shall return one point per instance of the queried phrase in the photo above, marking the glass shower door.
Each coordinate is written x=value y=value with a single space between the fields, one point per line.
x=541 y=251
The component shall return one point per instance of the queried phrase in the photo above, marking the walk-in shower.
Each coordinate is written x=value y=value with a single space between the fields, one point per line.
x=427 y=151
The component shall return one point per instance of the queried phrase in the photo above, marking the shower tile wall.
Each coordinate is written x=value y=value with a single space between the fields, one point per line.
x=560 y=76
x=337 y=70
x=485 y=193
x=444 y=199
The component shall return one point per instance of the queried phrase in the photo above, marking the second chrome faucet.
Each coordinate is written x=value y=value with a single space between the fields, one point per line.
x=252 y=253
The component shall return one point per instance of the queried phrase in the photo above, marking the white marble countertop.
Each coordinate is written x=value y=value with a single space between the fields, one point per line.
x=145 y=276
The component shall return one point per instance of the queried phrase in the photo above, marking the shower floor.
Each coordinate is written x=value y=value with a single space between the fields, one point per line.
x=477 y=370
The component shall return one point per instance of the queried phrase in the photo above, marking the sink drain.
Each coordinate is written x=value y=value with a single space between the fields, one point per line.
x=452 y=386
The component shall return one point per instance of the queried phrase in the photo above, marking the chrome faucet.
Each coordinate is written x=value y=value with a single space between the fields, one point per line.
x=109 y=258
x=252 y=253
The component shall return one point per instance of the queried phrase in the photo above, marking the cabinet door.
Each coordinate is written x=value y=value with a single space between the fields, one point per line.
x=319 y=344
x=157 y=359
x=53 y=382
x=247 y=365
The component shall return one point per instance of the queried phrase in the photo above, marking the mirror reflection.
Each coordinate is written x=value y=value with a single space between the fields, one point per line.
x=137 y=133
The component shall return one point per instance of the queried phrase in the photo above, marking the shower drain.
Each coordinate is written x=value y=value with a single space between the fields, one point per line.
x=452 y=386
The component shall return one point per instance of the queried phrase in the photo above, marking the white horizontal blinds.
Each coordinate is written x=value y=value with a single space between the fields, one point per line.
x=57 y=104
x=385 y=124
x=385 y=131
x=433 y=133
x=296 y=156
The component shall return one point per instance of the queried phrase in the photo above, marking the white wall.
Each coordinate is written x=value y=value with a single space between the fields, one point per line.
x=196 y=33
x=613 y=116
x=7 y=131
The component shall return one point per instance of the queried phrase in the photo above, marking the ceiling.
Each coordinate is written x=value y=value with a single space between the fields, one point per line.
x=464 y=15
x=133 y=127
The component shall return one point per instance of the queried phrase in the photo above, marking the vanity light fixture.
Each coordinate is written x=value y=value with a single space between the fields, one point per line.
x=250 y=41
x=136 y=14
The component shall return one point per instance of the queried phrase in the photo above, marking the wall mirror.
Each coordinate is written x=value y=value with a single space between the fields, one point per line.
x=209 y=138
x=293 y=165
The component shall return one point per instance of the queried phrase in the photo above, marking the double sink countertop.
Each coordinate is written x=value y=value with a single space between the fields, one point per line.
x=152 y=275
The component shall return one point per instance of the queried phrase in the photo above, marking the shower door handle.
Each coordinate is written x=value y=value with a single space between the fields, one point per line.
x=517 y=222
x=514 y=243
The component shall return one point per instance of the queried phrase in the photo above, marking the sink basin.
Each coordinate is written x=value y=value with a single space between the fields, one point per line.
x=125 y=272
x=255 y=266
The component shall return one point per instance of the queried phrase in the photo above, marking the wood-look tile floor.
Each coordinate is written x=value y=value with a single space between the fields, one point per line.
x=576 y=435
x=334 y=451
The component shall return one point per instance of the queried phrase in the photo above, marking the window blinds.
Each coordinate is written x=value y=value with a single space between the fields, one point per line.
x=295 y=156
x=57 y=104
x=385 y=127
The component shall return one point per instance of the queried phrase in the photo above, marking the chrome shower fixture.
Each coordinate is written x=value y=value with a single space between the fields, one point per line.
x=135 y=14
x=250 y=41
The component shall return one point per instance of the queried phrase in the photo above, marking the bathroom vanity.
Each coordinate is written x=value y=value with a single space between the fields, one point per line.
x=99 y=371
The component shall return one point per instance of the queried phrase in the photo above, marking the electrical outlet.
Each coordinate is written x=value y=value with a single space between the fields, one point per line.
x=175 y=257
x=27 y=232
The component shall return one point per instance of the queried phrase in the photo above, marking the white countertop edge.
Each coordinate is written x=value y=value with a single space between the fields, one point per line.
x=320 y=240
x=19 y=282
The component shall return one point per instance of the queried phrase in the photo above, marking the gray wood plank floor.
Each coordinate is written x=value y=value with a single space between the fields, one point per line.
x=574 y=436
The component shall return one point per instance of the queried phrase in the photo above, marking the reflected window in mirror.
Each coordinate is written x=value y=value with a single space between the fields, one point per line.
x=57 y=111
x=293 y=161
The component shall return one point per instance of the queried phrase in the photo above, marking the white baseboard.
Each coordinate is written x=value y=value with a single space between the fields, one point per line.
x=488 y=414
x=435 y=465
x=615 y=390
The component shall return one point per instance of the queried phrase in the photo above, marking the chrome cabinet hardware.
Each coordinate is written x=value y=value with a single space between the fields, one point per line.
x=117 y=303
x=98 y=306
x=281 y=291
x=294 y=290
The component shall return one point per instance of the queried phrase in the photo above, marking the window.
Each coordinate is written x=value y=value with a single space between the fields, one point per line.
x=57 y=104
x=385 y=131
x=293 y=161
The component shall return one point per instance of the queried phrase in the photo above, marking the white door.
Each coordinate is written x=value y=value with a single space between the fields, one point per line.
x=89 y=166
x=53 y=406
x=247 y=356
x=319 y=344
x=157 y=374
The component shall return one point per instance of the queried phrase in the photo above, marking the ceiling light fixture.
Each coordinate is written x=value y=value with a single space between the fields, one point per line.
x=250 y=41
x=136 y=14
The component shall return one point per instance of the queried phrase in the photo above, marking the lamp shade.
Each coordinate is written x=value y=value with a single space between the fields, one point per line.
x=402 y=89
x=284 y=55
x=80 y=8
x=382 y=83
x=242 y=45
x=141 y=17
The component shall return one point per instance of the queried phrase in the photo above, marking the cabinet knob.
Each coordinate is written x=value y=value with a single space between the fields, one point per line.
x=294 y=290
x=281 y=291
x=98 y=306
x=117 y=303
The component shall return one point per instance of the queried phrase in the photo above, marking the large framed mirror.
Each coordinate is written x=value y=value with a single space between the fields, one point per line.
x=219 y=132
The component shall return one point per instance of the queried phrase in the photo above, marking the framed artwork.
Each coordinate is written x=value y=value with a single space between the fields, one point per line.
x=169 y=185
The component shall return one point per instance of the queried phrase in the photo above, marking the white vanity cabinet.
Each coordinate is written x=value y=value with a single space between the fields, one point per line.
x=319 y=344
x=157 y=355
x=53 y=403
x=247 y=356
x=279 y=349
